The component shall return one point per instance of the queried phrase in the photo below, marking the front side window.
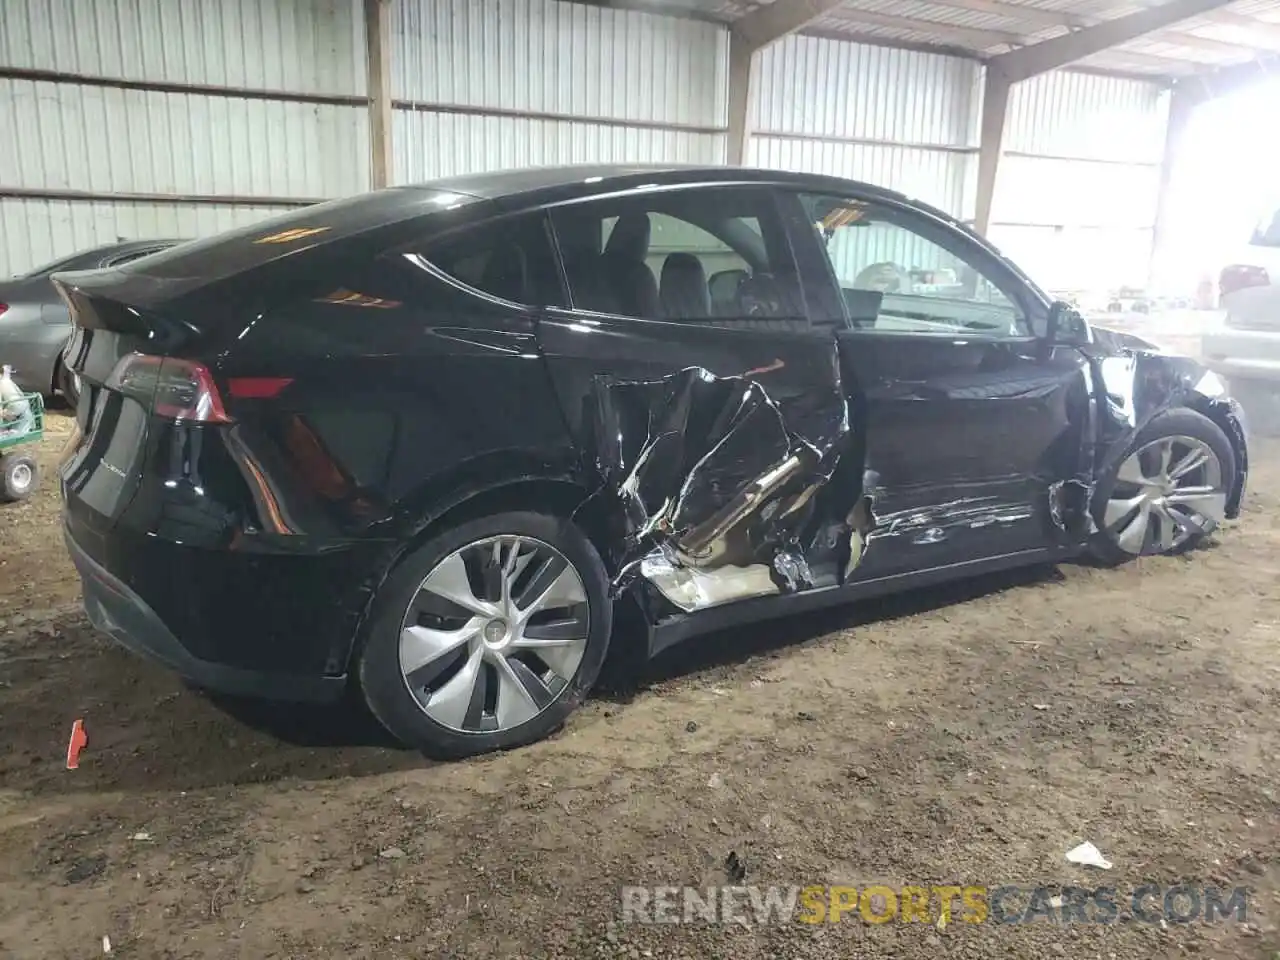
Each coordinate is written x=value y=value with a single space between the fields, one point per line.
x=900 y=274
x=710 y=255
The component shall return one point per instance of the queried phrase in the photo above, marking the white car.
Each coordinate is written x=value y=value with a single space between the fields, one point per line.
x=1246 y=349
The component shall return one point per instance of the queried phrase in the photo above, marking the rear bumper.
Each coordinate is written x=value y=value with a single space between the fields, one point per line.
x=117 y=611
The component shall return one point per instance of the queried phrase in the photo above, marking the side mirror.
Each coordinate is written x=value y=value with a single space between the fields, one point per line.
x=1067 y=326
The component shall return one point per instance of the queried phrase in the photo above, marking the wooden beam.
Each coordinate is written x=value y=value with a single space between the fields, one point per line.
x=1038 y=58
x=995 y=106
x=771 y=22
x=377 y=32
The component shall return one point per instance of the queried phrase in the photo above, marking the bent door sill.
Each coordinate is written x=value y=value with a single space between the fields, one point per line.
x=683 y=627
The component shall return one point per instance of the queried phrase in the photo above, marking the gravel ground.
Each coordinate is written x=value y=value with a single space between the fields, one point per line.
x=970 y=735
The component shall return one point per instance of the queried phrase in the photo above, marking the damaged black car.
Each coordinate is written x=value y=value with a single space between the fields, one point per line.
x=432 y=443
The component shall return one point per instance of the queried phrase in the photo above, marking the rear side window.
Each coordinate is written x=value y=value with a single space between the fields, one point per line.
x=713 y=256
x=244 y=248
x=510 y=258
x=123 y=258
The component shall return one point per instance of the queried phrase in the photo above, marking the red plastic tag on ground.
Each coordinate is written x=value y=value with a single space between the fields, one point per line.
x=79 y=740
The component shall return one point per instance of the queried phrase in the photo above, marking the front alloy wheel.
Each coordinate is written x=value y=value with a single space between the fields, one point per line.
x=1169 y=490
x=1166 y=493
x=494 y=634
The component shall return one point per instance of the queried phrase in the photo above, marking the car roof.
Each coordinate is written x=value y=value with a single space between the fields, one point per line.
x=572 y=180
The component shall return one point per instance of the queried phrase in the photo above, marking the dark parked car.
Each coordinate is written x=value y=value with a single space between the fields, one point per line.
x=432 y=441
x=34 y=325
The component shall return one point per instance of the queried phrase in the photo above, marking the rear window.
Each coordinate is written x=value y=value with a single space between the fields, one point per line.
x=243 y=248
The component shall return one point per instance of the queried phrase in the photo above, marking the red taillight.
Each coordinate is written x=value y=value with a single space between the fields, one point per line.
x=178 y=389
x=3 y=308
x=257 y=388
x=1239 y=276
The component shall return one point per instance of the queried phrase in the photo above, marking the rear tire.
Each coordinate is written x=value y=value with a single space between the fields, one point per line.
x=1147 y=507
x=21 y=476
x=451 y=662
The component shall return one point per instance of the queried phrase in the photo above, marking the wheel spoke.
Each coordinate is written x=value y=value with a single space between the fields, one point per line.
x=1119 y=510
x=425 y=647
x=1131 y=471
x=1166 y=530
x=521 y=693
x=1205 y=501
x=1166 y=454
x=512 y=569
x=1193 y=459
x=449 y=580
x=1188 y=524
x=1133 y=535
x=449 y=704
x=555 y=584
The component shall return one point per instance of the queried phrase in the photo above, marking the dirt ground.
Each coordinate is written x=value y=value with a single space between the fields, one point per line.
x=970 y=735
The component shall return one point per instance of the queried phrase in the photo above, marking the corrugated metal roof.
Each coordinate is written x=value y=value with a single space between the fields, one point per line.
x=1238 y=34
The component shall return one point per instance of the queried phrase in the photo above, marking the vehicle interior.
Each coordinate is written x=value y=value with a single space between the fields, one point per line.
x=939 y=293
x=661 y=260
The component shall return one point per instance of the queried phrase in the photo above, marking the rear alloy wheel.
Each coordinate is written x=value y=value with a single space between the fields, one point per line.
x=1169 y=492
x=489 y=635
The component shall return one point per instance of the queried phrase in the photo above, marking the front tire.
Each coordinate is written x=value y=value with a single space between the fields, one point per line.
x=487 y=636
x=1168 y=492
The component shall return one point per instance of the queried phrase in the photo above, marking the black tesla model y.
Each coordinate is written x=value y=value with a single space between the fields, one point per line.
x=430 y=442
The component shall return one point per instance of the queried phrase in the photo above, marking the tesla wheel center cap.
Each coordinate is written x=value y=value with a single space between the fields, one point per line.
x=495 y=633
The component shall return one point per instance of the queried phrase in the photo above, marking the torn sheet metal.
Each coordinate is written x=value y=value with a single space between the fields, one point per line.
x=932 y=524
x=1069 y=502
x=716 y=480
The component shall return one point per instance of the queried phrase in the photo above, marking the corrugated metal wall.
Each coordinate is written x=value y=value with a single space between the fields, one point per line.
x=97 y=101
x=896 y=118
x=593 y=85
x=72 y=135
x=1075 y=201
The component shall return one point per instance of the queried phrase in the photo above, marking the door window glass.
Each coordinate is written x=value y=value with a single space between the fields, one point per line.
x=717 y=256
x=895 y=278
